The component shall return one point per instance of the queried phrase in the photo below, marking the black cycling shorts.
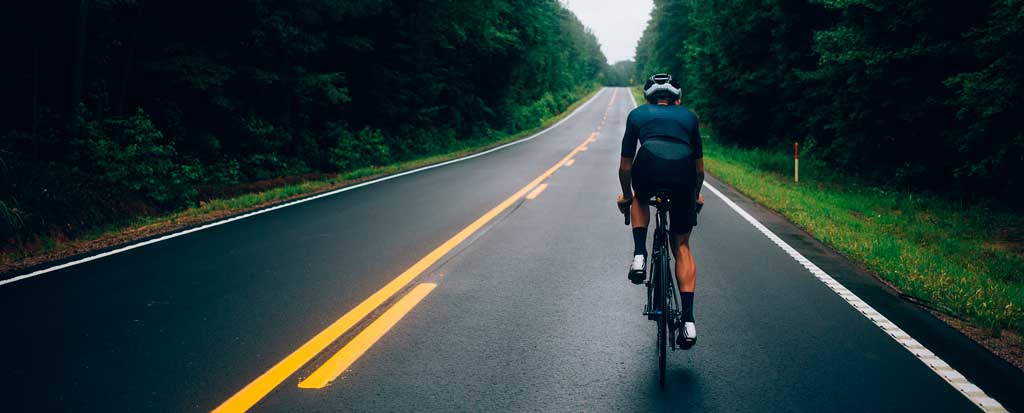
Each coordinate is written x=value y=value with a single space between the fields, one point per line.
x=668 y=166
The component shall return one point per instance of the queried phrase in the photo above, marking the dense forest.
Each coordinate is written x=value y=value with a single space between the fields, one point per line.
x=919 y=94
x=114 y=108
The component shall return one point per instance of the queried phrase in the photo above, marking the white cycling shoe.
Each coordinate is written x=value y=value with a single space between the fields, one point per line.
x=687 y=335
x=638 y=269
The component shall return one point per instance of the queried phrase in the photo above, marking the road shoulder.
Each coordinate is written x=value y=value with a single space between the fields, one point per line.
x=996 y=376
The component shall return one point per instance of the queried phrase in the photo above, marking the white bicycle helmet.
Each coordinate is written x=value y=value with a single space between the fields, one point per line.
x=662 y=86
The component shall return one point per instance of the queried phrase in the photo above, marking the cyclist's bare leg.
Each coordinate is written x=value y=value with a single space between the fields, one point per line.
x=686 y=268
x=686 y=275
x=640 y=214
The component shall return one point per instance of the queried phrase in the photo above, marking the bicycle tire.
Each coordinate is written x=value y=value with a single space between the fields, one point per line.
x=663 y=298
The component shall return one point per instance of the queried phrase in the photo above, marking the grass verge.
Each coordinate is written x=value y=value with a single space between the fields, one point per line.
x=965 y=259
x=959 y=259
x=135 y=228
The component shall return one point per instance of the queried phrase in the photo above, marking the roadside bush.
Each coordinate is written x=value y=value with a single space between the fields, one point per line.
x=10 y=222
x=367 y=148
x=133 y=154
x=223 y=172
x=267 y=165
x=51 y=200
x=530 y=116
x=422 y=141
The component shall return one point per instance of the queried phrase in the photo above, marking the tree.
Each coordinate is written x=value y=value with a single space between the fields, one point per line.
x=876 y=88
x=244 y=90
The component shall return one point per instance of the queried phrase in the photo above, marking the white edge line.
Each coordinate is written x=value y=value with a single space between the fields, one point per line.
x=936 y=364
x=288 y=204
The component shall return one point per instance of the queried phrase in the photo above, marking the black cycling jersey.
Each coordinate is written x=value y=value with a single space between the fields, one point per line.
x=670 y=122
x=670 y=145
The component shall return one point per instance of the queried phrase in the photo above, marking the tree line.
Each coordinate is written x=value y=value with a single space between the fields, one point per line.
x=620 y=74
x=113 y=108
x=920 y=94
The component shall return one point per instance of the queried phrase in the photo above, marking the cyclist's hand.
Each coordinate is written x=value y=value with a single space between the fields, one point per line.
x=700 y=202
x=624 y=203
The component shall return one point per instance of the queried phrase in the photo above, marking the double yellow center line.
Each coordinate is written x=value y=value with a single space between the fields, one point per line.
x=268 y=381
x=366 y=338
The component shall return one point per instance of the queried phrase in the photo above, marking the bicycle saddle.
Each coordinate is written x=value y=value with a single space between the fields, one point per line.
x=662 y=199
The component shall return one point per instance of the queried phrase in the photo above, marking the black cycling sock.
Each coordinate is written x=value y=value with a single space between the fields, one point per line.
x=687 y=303
x=640 y=241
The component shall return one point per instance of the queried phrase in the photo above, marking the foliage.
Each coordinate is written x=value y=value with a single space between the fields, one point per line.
x=157 y=98
x=367 y=148
x=133 y=154
x=916 y=94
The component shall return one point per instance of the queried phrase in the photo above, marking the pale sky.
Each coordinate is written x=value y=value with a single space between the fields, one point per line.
x=617 y=24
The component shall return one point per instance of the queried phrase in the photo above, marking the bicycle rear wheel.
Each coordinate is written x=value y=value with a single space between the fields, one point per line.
x=663 y=297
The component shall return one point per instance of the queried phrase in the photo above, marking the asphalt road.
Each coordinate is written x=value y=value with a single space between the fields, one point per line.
x=532 y=311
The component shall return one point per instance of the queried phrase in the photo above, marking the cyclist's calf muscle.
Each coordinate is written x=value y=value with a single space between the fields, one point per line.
x=686 y=268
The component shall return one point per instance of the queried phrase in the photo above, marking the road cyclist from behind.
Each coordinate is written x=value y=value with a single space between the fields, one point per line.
x=670 y=158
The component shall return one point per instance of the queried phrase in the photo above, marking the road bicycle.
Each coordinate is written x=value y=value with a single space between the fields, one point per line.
x=662 y=293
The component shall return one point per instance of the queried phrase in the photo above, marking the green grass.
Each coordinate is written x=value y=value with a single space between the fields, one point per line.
x=959 y=256
x=925 y=246
x=216 y=208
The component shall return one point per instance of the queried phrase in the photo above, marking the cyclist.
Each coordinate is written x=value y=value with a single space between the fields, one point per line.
x=670 y=158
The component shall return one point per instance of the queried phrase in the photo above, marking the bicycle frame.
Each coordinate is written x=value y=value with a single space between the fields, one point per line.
x=662 y=248
x=662 y=292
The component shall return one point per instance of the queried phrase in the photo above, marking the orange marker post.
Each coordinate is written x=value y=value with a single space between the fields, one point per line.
x=796 y=161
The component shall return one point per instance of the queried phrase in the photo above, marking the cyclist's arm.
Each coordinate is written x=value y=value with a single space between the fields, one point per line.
x=625 y=177
x=629 y=141
x=700 y=178
x=698 y=149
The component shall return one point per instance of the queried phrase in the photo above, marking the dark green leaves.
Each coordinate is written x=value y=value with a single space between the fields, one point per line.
x=920 y=93
x=191 y=94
